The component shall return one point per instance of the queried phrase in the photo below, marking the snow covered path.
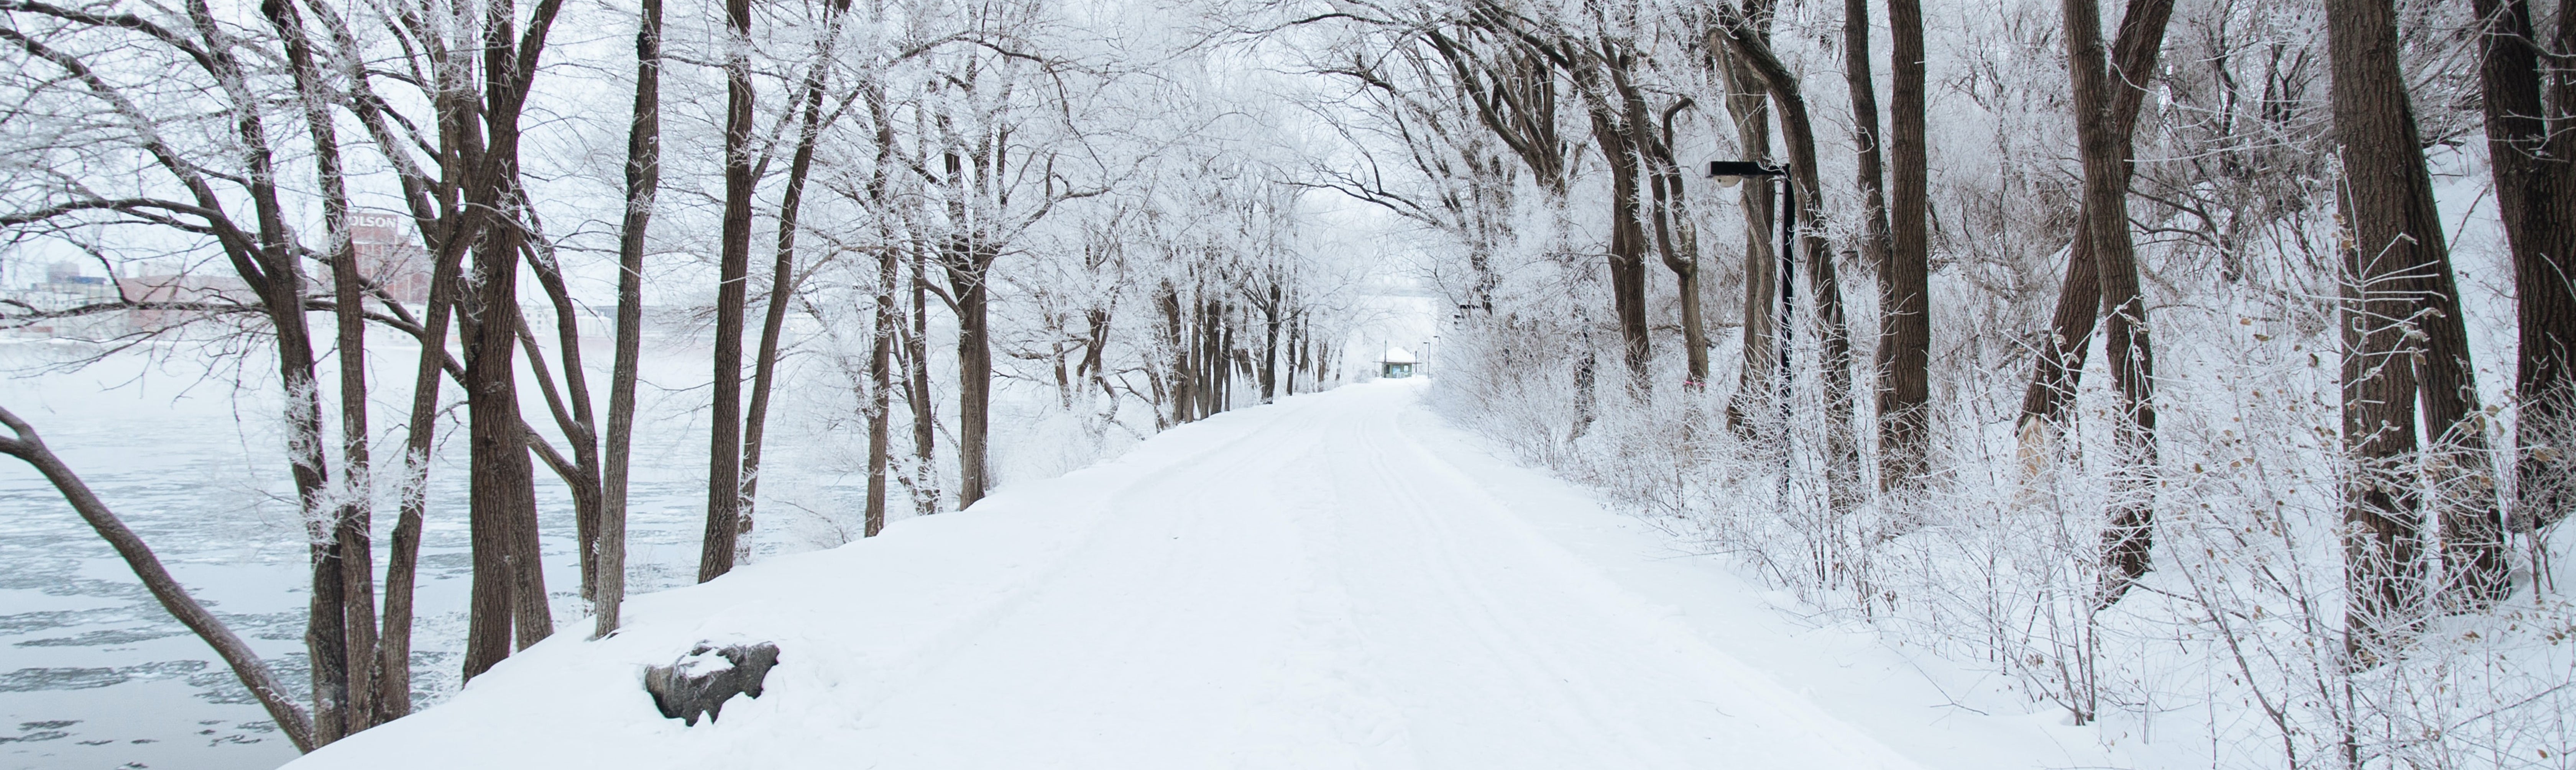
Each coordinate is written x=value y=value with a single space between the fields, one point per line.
x=1317 y=583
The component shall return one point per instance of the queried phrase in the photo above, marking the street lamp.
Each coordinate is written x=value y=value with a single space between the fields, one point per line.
x=1728 y=173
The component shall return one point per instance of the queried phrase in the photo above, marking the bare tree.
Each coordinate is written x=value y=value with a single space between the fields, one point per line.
x=784 y=276
x=1743 y=34
x=925 y=422
x=458 y=172
x=2079 y=299
x=263 y=253
x=341 y=621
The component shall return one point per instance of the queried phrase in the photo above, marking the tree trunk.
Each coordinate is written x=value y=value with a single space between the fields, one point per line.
x=1176 y=344
x=2079 y=299
x=1223 y=362
x=724 y=450
x=2535 y=185
x=1876 y=245
x=344 y=615
x=1627 y=257
x=880 y=379
x=246 y=664
x=2129 y=540
x=1270 y=346
x=2394 y=257
x=1905 y=321
x=1205 y=370
x=1095 y=349
x=504 y=496
x=571 y=408
x=974 y=374
x=924 y=421
x=1674 y=241
x=2051 y=391
x=503 y=490
x=443 y=226
x=279 y=280
x=1296 y=354
x=1749 y=106
x=504 y=517
x=393 y=658
x=884 y=326
x=643 y=186
x=782 y=284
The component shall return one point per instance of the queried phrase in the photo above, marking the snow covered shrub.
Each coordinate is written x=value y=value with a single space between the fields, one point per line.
x=2236 y=640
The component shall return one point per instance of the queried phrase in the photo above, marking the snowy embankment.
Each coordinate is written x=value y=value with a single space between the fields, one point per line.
x=1336 y=580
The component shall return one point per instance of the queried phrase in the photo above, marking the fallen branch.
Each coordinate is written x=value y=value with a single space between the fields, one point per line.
x=246 y=664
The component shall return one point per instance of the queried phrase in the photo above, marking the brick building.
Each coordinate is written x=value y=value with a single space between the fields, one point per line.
x=387 y=254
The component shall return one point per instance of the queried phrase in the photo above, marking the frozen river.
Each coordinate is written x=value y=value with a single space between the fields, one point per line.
x=93 y=674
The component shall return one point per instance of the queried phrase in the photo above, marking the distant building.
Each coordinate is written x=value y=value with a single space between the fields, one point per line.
x=213 y=290
x=64 y=288
x=389 y=257
x=386 y=256
x=1398 y=363
x=187 y=288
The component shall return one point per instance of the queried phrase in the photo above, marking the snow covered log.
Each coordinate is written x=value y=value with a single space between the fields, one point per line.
x=701 y=681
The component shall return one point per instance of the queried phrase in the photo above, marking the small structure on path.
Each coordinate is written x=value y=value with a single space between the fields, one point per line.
x=1398 y=363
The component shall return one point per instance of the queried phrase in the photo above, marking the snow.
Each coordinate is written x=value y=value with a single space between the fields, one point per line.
x=1336 y=580
x=703 y=664
x=1399 y=356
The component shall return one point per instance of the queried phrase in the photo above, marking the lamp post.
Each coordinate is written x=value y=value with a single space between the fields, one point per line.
x=1728 y=173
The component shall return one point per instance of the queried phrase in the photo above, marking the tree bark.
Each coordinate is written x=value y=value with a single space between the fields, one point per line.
x=2398 y=299
x=1296 y=354
x=1905 y=320
x=571 y=409
x=916 y=355
x=344 y=614
x=643 y=187
x=1226 y=353
x=1203 y=370
x=393 y=694
x=274 y=271
x=2128 y=542
x=724 y=449
x=390 y=661
x=1674 y=240
x=974 y=374
x=1176 y=344
x=884 y=325
x=1627 y=256
x=1270 y=346
x=2535 y=185
x=880 y=375
x=2079 y=299
x=1875 y=240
